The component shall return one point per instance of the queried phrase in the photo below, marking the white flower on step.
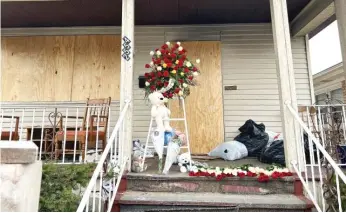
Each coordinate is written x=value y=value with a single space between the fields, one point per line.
x=151 y=63
x=234 y=172
x=184 y=85
x=252 y=169
x=181 y=93
x=285 y=170
x=203 y=170
x=159 y=68
x=194 y=169
x=218 y=173
x=268 y=173
x=158 y=52
x=188 y=64
x=165 y=100
x=198 y=61
x=195 y=73
x=116 y=170
x=178 y=43
x=180 y=48
x=168 y=43
x=147 y=83
x=152 y=53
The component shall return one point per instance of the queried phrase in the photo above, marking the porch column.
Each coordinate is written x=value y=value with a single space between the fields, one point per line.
x=340 y=11
x=286 y=81
x=127 y=44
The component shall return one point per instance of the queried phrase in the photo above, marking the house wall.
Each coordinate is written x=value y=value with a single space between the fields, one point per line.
x=247 y=61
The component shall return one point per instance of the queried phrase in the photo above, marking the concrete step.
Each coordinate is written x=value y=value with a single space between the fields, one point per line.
x=181 y=182
x=136 y=201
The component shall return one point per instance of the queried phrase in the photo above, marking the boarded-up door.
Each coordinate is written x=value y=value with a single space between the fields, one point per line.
x=204 y=106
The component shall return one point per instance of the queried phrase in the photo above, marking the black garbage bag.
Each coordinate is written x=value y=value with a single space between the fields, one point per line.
x=273 y=153
x=253 y=136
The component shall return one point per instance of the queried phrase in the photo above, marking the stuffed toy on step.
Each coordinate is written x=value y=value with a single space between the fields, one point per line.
x=160 y=112
x=184 y=162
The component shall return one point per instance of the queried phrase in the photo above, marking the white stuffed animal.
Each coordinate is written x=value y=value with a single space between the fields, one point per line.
x=160 y=112
x=184 y=162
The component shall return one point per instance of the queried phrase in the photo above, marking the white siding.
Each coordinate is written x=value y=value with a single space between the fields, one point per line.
x=248 y=61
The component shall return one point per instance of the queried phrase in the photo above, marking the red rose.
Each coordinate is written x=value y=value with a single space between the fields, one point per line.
x=186 y=70
x=156 y=50
x=173 y=55
x=169 y=64
x=159 y=74
x=176 y=46
x=181 y=52
x=165 y=83
x=166 y=60
x=152 y=74
x=153 y=78
x=177 y=90
x=146 y=75
x=170 y=95
x=166 y=74
x=184 y=51
x=152 y=88
x=241 y=174
x=165 y=94
x=190 y=77
x=194 y=69
x=164 y=46
x=147 y=66
x=181 y=63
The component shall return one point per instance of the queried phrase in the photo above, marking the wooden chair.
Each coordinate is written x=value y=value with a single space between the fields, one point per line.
x=11 y=135
x=96 y=114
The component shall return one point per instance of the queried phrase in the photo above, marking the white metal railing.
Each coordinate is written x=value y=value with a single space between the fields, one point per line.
x=101 y=187
x=65 y=132
x=313 y=175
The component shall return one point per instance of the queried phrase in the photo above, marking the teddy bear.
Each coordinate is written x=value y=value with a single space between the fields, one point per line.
x=160 y=112
x=183 y=161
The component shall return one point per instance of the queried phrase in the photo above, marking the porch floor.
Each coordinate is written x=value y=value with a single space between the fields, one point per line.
x=175 y=171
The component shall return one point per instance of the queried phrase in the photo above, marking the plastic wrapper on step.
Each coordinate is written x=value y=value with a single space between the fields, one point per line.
x=173 y=151
x=168 y=137
x=274 y=136
x=181 y=136
x=158 y=141
x=232 y=150
x=253 y=136
x=273 y=154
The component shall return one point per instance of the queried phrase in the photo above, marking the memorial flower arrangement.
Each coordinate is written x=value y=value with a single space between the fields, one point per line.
x=262 y=175
x=171 y=72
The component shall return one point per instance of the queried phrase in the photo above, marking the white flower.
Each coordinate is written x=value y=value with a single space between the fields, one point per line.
x=159 y=68
x=158 y=52
x=168 y=43
x=198 y=61
x=188 y=64
x=252 y=169
x=165 y=100
x=285 y=170
x=178 y=43
x=147 y=83
x=181 y=93
x=184 y=85
x=152 y=53
x=180 y=48
x=234 y=172
x=268 y=173
x=195 y=73
x=203 y=170
x=116 y=170
x=151 y=63
x=218 y=173
x=217 y=168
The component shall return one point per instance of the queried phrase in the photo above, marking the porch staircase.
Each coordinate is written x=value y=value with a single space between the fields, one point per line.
x=179 y=192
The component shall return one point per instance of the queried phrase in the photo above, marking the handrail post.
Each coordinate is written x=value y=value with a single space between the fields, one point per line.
x=286 y=80
x=126 y=90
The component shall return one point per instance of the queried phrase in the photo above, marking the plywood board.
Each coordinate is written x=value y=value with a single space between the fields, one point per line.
x=96 y=67
x=204 y=106
x=36 y=68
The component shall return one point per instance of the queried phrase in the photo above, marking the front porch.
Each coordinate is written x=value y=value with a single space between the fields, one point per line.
x=251 y=69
